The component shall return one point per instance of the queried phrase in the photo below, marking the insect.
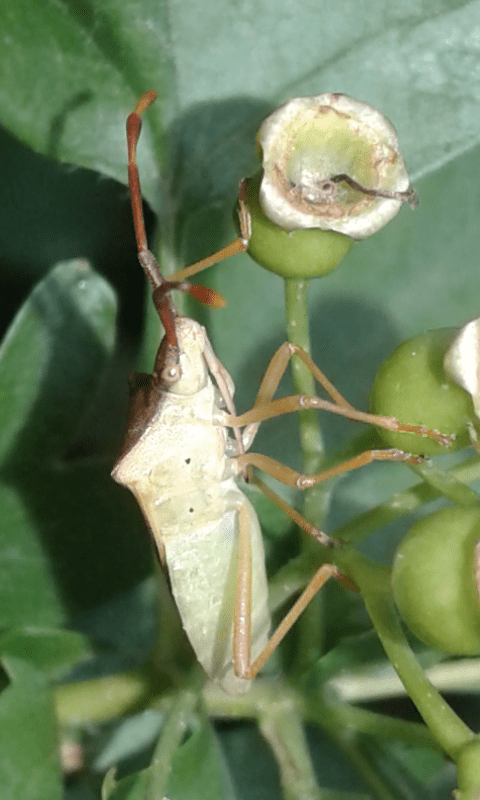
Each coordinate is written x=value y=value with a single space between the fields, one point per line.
x=184 y=456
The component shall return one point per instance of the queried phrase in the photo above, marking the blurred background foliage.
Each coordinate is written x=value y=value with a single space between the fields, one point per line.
x=74 y=554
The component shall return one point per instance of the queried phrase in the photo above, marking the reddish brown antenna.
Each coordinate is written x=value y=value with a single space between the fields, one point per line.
x=148 y=261
x=134 y=124
x=162 y=287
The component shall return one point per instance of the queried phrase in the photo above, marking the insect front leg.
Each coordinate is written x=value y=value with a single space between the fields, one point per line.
x=239 y=245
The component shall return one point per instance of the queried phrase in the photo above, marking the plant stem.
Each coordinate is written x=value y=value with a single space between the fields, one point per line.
x=309 y=627
x=170 y=740
x=446 y=484
x=353 y=719
x=374 y=582
x=468 y=768
x=402 y=503
x=281 y=725
x=296 y=309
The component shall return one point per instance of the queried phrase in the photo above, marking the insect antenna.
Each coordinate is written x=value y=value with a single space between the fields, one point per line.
x=161 y=287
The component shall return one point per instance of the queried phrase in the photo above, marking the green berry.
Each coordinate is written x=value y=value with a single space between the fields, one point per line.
x=300 y=254
x=434 y=580
x=412 y=386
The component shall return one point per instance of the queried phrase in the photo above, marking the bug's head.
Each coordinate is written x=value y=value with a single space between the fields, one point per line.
x=182 y=370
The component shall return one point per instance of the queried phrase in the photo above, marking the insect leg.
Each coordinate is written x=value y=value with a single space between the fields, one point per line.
x=266 y=408
x=242 y=619
x=321 y=576
x=298 y=480
x=291 y=512
x=239 y=245
x=243 y=606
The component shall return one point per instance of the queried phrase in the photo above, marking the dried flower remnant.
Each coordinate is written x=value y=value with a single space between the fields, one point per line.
x=462 y=361
x=331 y=162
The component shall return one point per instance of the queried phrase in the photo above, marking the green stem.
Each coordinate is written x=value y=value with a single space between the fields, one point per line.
x=296 y=309
x=446 y=484
x=170 y=740
x=374 y=582
x=282 y=727
x=402 y=503
x=468 y=769
x=353 y=719
x=310 y=626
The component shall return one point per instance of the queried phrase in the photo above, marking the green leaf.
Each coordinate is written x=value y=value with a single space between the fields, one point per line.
x=133 y=787
x=50 y=362
x=101 y=56
x=96 y=56
x=198 y=770
x=49 y=651
x=133 y=735
x=29 y=748
x=58 y=515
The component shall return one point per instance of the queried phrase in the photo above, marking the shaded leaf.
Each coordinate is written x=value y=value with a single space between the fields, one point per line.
x=57 y=516
x=111 y=53
x=197 y=770
x=29 y=749
x=50 y=362
x=49 y=651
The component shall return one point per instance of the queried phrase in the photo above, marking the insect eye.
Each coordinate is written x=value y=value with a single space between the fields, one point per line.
x=171 y=374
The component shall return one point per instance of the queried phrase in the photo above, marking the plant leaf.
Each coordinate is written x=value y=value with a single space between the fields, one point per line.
x=57 y=515
x=414 y=61
x=48 y=650
x=29 y=750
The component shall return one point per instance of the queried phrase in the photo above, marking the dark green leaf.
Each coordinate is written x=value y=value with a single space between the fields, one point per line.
x=98 y=57
x=133 y=787
x=49 y=651
x=50 y=362
x=199 y=769
x=58 y=516
x=29 y=747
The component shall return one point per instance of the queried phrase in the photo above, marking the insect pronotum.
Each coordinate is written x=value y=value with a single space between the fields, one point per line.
x=184 y=452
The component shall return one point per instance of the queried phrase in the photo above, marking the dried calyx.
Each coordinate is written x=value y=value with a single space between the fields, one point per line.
x=331 y=162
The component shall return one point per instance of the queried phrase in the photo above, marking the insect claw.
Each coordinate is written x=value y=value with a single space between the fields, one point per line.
x=395 y=454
